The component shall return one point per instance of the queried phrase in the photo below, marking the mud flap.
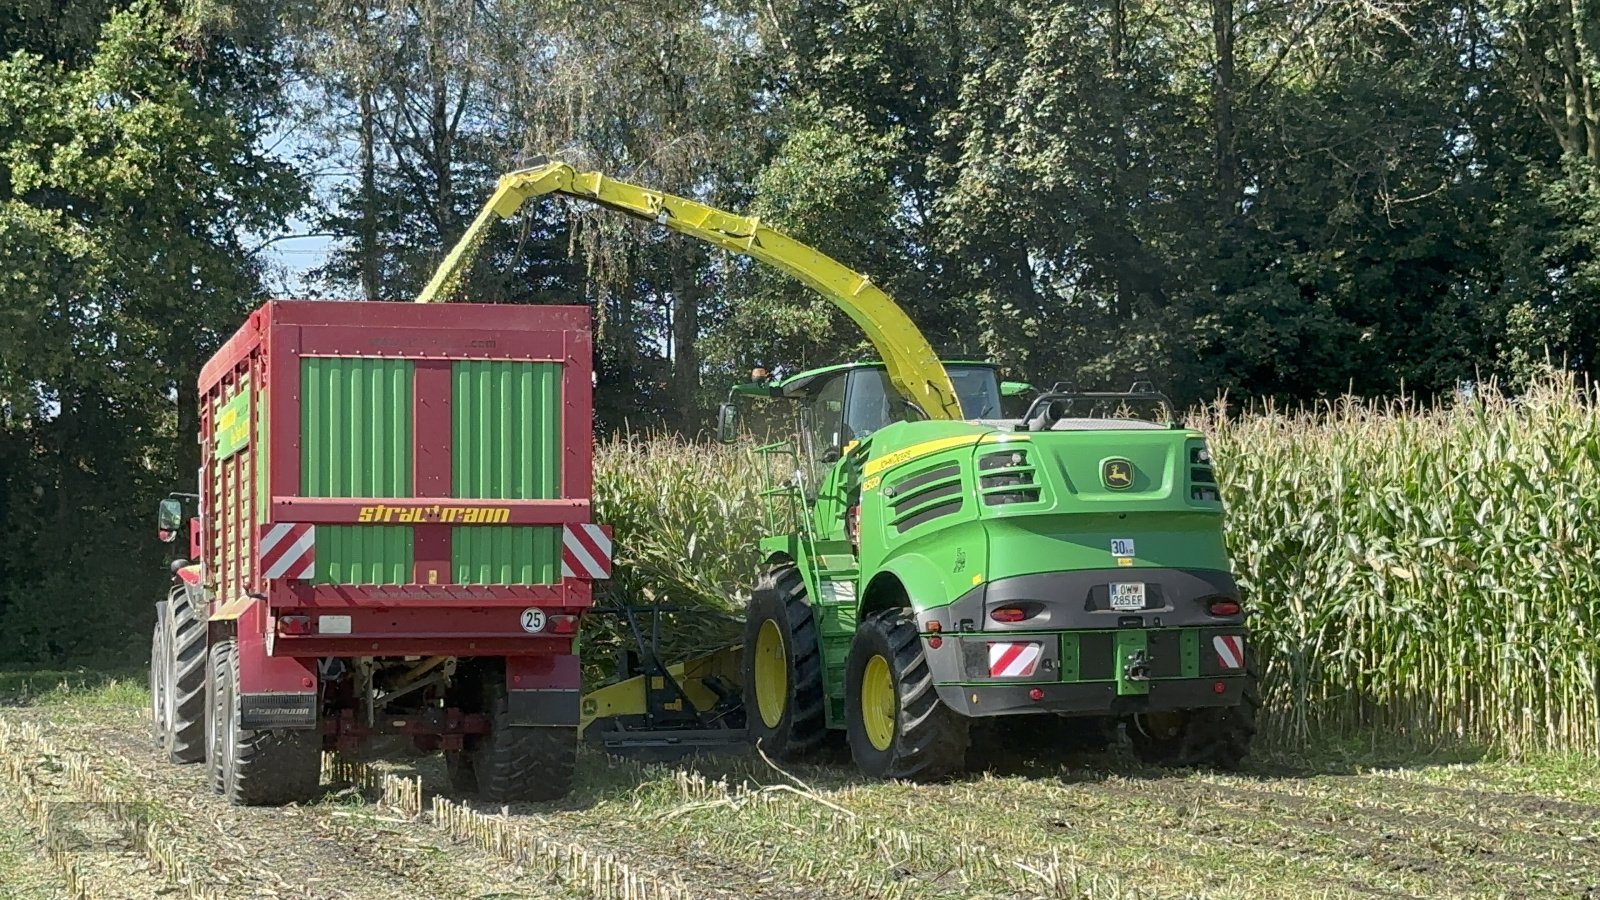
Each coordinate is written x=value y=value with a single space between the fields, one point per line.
x=543 y=690
x=264 y=711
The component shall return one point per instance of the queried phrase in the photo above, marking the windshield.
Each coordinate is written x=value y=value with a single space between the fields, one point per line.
x=872 y=402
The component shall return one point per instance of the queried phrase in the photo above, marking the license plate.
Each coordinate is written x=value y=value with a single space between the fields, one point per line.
x=1127 y=596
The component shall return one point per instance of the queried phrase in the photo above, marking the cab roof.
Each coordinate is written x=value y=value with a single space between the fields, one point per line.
x=800 y=384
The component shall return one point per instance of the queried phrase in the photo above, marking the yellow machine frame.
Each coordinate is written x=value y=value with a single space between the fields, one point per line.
x=912 y=365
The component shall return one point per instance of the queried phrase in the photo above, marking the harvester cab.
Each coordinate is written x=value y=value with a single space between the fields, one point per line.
x=930 y=561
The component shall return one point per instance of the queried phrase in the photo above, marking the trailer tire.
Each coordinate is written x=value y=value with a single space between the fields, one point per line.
x=160 y=712
x=1216 y=737
x=786 y=719
x=186 y=683
x=266 y=767
x=896 y=725
x=520 y=763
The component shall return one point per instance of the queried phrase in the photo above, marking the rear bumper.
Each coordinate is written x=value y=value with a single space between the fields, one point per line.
x=1089 y=698
x=1082 y=656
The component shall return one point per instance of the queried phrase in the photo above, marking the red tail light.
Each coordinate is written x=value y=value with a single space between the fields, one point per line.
x=1009 y=614
x=564 y=624
x=294 y=624
x=1224 y=608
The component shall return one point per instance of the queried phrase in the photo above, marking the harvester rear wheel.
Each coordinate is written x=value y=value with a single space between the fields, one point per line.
x=782 y=667
x=516 y=763
x=265 y=767
x=897 y=726
x=1216 y=737
x=186 y=680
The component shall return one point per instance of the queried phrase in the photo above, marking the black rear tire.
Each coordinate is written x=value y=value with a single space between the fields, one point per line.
x=266 y=767
x=515 y=763
x=929 y=740
x=186 y=643
x=1217 y=737
x=800 y=725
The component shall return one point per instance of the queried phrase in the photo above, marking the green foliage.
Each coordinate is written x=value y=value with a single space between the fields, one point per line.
x=130 y=175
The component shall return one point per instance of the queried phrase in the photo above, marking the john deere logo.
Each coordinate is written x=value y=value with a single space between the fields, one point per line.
x=1117 y=474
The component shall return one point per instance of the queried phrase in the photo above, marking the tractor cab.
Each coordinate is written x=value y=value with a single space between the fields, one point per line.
x=840 y=406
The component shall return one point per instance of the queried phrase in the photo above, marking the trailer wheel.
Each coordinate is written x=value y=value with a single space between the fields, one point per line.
x=266 y=767
x=782 y=667
x=186 y=679
x=160 y=713
x=896 y=724
x=1217 y=737
x=527 y=762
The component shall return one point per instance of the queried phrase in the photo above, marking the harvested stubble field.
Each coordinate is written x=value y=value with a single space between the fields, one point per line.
x=92 y=812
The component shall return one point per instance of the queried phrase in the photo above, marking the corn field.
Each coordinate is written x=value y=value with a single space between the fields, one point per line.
x=1426 y=573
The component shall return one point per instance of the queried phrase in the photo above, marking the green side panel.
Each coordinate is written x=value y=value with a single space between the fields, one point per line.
x=507 y=440
x=506 y=420
x=363 y=554
x=263 y=460
x=355 y=427
x=505 y=555
x=355 y=441
x=233 y=422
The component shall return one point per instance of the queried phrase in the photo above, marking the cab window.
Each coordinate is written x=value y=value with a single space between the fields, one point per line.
x=827 y=417
x=869 y=406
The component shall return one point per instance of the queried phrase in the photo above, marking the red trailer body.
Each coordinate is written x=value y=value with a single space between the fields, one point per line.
x=396 y=529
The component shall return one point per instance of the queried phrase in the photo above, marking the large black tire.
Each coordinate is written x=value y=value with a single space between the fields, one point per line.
x=1217 y=737
x=923 y=740
x=792 y=722
x=160 y=680
x=268 y=767
x=186 y=697
x=516 y=763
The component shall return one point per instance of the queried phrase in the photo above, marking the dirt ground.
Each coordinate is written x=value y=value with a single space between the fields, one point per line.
x=90 y=810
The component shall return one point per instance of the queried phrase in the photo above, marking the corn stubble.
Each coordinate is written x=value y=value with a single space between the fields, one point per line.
x=1424 y=572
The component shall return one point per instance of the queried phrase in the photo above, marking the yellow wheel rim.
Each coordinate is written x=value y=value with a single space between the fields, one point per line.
x=772 y=674
x=878 y=703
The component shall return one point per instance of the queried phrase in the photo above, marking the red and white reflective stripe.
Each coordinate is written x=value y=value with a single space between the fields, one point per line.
x=1230 y=650
x=288 y=550
x=1017 y=660
x=586 y=551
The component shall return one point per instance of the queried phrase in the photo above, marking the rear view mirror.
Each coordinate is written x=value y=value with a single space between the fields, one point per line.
x=169 y=517
x=1014 y=388
x=728 y=423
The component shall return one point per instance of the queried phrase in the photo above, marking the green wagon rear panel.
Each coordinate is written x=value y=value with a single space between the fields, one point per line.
x=356 y=441
x=506 y=446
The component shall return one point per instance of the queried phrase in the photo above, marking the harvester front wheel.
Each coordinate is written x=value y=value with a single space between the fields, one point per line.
x=1217 y=737
x=186 y=679
x=897 y=727
x=782 y=667
x=516 y=763
x=265 y=767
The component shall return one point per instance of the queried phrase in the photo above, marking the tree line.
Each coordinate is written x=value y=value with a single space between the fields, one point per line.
x=1283 y=199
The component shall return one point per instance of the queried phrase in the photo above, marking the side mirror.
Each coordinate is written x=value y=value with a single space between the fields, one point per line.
x=1014 y=388
x=728 y=423
x=169 y=515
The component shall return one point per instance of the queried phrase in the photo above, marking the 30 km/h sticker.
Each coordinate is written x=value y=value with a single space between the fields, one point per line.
x=533 y=620
x=1122 y=547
